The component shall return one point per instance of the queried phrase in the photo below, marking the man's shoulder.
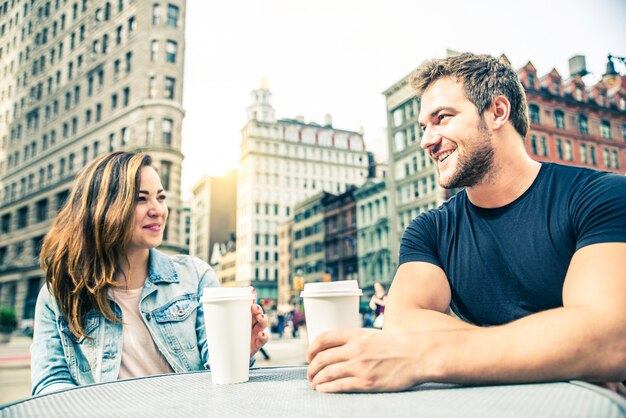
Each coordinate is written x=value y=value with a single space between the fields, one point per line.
x=585 y=179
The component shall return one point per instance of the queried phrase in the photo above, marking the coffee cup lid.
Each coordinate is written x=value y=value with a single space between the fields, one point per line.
x=339 y=288
x=212 y=294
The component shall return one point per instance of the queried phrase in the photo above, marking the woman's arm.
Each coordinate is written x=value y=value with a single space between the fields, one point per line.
x=48 y=367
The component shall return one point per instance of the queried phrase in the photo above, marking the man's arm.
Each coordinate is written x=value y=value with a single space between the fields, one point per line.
x=585 y=339
x=419 y=299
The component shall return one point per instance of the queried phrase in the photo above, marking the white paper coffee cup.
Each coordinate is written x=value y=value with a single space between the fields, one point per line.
x=228 y=320
x=331 y=305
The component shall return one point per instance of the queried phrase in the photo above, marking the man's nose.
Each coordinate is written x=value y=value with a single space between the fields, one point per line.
x=430 y=137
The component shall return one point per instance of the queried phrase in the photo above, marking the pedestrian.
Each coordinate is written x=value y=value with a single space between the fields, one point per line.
x=529 y=256
x=113 y=306
x=281 y=325
x=377 y=304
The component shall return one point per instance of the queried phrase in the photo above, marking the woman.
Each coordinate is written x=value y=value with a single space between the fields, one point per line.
x=377 y=304
x=114 y=307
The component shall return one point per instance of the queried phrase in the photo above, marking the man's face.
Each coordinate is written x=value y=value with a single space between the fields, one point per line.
x=454 y=135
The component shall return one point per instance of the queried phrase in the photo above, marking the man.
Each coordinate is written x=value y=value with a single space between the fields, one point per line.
x=529 y=256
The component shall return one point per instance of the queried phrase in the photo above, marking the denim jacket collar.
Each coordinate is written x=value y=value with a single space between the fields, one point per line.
x=161 y=268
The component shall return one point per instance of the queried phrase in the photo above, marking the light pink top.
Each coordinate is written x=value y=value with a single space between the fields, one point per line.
x=140 y=355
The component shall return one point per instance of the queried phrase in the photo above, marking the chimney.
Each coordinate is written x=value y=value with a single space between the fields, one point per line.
x=300 y=118
x=577 y=66
x=328 y=121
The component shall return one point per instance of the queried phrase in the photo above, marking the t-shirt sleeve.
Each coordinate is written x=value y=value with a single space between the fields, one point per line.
x=419 y=241
x=600 y=210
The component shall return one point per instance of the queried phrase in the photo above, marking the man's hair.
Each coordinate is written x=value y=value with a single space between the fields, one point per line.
x=87 y=242
x=483 y=78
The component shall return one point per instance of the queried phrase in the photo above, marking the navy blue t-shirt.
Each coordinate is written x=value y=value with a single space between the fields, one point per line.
x=505 y=263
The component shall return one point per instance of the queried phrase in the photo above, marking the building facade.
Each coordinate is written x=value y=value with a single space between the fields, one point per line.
x=340 y=237
x=307 y=238
x=214 y=205
x=287 y=292
x=80 y=79
x=376 y=262
x=284 y=162
x=574 y=123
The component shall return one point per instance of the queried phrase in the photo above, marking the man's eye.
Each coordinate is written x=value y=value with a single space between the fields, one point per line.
x=442 y=117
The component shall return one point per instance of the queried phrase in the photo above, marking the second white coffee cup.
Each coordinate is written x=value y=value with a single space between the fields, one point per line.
x=228 y=322
x=331 y=305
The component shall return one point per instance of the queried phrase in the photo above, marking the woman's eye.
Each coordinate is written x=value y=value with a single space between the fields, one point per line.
x=162 y=197
x=141 y=199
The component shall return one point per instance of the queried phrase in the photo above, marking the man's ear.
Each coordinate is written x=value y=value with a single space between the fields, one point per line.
x=500 y=112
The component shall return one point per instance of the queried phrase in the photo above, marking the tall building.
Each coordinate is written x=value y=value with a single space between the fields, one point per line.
x=287 y=292
x=575 y=123
x=340 y=238
x=307 y=239
x=376 y=262
x=283 y=162
x=411 y=176
x=213 y=216
x=570 y=123
x=80 y=79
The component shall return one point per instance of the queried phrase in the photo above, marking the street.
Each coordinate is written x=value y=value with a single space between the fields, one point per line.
x=15 y=362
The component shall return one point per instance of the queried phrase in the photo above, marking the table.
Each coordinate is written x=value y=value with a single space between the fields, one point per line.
x=285 y=392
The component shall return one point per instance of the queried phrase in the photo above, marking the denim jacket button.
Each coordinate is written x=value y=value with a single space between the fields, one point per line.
x=181 y=313
x=148 y=316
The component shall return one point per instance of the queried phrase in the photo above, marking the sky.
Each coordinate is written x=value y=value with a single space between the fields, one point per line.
x=338 y=56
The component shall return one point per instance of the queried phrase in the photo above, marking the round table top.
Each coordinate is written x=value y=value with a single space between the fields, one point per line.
x=285 y=392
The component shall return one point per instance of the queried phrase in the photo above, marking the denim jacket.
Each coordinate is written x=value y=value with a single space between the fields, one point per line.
x=170 y=308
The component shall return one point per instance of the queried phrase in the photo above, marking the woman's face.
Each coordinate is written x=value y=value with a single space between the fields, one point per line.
x=150 y=212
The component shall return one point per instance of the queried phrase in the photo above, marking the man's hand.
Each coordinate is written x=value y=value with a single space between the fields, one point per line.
x=259 y=322
x=361 y=360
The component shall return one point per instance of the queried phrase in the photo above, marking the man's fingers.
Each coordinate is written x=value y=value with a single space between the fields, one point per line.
x=325 y=341
x=336 y=370
x=346 y=384
x=326 y=358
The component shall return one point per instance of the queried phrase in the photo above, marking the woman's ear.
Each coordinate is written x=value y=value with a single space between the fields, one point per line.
x=501 y=111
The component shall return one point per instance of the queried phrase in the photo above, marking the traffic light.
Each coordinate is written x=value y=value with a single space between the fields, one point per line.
x=298 y=283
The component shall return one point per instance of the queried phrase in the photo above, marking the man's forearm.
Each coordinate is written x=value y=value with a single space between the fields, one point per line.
x=422 y=320
x=559 y=344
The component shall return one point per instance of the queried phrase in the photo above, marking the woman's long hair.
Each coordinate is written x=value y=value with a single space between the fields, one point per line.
x=82 y=252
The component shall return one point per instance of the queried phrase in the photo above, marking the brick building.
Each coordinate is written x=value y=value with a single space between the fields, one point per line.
x=574 y=123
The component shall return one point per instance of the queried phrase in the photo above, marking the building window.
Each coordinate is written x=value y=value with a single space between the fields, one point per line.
x=534 y=114
x=129 y=59
x=559 y=148
x=154 y=50
x=169 y=88
x=126 y=96
x=165 y=172
x=132 y=25
x=592 y=154
x=98 y=112
x=533 y=144
x=166 y=129
x=170 y=51
x=156 y=14
x=113 y=101
x=605 y=129
x=22 y=217
x=531 y=81
x=583 y=124
x=124 y=137
x=569 y=156
x=41 y=211
x=152 y=89
x=607 y=160
x=172 y=15
x=544 y=146
x=150 y=131
x=5 y=223
x=559 y=119
x=583 y=153
x=615 y=159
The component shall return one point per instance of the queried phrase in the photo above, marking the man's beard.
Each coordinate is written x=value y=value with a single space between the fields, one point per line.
x=476 y=164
